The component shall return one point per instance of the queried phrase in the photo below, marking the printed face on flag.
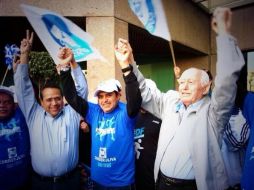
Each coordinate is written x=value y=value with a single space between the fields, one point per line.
x=62 y=35
x=151 y=14
x=56 y=31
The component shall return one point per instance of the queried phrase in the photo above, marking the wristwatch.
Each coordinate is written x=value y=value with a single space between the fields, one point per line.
x=129 y=68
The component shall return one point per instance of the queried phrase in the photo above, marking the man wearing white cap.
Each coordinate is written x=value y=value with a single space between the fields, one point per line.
x=14 y=144
x=112 y=129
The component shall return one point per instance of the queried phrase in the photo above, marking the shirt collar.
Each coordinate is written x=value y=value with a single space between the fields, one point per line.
x=58 y=115
x=195 y=106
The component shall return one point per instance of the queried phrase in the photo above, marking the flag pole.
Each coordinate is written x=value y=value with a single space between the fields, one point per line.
x=172 y=52
x=177 y=70
x=5 y=76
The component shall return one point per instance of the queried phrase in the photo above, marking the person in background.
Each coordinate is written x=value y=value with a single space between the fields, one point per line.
x=15 y=161
x=188 y=154
x=235 y=137
x=53 y=127
x=247 y=182
x=146 y=134
x=85 y=155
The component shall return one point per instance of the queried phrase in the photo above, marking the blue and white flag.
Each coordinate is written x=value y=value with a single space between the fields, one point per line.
x=10 y=52
x=56 y=31
x=151 y=14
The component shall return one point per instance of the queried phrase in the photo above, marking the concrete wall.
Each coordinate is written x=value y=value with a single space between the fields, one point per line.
x=242 y=28
x=64 y=7
x=106 y=37
x=188 y=24
x=107 y=20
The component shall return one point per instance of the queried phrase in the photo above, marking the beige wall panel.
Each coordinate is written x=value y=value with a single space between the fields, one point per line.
x=121 y=31
x=124 y=12
x=106 y=31
x=102 y=29
x=188 y=24
x=242 y=28
x=64 y=7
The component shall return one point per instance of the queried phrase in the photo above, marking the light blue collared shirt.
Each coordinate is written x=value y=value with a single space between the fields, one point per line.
x=176 y=161
x=54 y=140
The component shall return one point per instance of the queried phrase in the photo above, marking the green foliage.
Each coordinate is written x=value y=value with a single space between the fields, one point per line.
x=42 y=68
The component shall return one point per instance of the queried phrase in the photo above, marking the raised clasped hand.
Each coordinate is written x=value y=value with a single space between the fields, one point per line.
x=123 y=52
x=222 y=20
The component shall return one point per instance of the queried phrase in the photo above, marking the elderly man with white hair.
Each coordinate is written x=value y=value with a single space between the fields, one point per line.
x=188 y=154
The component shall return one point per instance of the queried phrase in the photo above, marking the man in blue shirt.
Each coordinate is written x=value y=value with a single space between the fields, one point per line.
x=15 y=163
x=112 y=129
x=53 y=127
x=247 y=182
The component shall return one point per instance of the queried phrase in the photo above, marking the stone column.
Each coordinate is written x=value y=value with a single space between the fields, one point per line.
x=106 y=31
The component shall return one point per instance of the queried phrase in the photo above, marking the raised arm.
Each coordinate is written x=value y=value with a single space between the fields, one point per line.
x=133 y=95
x=229 y=64
x=76 y=72
x=23 y=86
x=77 y=102
x=151 y=100
x=80 y=82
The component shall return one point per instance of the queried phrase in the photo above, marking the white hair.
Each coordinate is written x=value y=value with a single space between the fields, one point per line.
x=204 y=78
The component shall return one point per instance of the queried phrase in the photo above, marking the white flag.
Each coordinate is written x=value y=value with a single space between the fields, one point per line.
x=56 y=31
x=151 y=14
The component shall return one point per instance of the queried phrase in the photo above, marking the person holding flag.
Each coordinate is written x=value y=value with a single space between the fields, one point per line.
x=188 y=155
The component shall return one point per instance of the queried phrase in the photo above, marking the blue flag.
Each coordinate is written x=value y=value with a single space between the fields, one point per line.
x=56 y=31
x=151 y=14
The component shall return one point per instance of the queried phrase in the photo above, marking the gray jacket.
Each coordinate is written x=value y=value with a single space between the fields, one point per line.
x=206 y=121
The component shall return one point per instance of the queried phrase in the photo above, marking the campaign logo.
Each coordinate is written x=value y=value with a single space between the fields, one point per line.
x=106 y=127
x=9 y=129
x=12 y=152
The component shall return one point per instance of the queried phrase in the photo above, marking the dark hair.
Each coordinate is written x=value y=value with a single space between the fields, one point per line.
x=209 y=74
x=118 y=88
x=50 y=84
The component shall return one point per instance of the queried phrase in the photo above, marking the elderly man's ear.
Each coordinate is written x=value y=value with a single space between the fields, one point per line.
x=206 y=89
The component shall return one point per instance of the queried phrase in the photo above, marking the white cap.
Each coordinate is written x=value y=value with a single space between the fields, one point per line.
x=110 y=85
x=9 y=91
x=6 y=90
